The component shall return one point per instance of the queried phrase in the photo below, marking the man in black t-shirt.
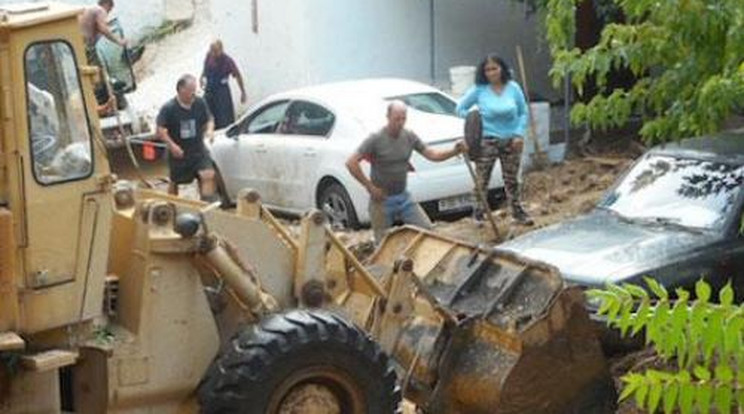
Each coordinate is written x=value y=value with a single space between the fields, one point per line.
x=183 y=123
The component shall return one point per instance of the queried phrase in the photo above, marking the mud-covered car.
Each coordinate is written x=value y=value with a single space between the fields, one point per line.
x=675 y=215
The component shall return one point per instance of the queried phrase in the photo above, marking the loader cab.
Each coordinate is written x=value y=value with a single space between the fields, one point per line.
x=55 y=180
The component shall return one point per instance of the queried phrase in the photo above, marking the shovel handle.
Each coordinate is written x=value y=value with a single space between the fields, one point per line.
x=481 y=196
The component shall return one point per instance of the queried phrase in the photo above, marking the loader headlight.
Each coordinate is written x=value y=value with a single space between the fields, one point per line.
x=187 y=224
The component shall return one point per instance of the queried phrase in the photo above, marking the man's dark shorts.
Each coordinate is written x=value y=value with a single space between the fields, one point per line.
x=186 y=170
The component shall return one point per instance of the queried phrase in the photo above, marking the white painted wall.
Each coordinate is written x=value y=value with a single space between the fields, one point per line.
x=136 y=16
x=301 y=42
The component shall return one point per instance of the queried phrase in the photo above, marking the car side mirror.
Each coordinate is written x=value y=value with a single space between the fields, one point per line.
x=233 y=132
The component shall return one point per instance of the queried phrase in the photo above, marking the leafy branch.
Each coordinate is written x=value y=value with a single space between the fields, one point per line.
x=687 y=57
x=705 y=341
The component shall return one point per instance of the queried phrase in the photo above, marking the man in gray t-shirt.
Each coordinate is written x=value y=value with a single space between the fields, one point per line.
x=389 y=151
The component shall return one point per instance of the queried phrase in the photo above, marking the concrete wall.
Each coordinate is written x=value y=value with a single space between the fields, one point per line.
x=468 y=30
x=301 y=42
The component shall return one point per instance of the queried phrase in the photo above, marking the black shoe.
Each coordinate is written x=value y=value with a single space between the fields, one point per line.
x=521 y=216
x=478 y=217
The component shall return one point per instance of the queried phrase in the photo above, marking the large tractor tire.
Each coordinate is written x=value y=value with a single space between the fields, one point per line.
x=300 y=361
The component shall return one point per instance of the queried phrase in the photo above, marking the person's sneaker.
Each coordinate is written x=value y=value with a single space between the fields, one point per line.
x=521 y=216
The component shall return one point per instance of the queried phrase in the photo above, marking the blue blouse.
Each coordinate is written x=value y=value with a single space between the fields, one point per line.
x=504 y=114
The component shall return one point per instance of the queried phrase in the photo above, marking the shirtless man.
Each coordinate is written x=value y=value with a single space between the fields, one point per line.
x=94 y=24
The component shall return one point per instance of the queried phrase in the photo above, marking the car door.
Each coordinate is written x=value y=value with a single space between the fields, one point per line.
x=299 y=150
x=253 y=168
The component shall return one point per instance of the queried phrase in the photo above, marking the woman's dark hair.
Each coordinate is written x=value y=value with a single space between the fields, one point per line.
x=480 y=73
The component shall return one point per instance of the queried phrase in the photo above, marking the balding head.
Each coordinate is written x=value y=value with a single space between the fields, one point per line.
x=216 y=48
x=396 y=116
x=186 y=89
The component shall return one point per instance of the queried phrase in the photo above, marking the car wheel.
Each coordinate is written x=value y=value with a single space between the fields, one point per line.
x=219 y=183
x=335 y=202
x=301 y=361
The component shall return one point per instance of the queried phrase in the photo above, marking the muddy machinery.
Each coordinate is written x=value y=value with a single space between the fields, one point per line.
x=121 y=300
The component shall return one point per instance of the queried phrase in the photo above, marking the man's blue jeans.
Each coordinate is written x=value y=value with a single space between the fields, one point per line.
x=396 y=207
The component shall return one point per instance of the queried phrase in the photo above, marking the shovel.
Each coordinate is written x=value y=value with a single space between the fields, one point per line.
x=480 y=195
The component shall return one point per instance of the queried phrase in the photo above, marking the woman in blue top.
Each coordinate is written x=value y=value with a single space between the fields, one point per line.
x=503 y=111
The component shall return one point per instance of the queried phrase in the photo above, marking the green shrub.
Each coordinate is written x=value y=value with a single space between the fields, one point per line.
x=701 y=341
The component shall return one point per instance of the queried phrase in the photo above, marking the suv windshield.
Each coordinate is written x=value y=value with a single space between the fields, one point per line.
x=680 y=191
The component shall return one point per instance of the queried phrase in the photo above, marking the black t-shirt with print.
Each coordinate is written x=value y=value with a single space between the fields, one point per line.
x=185 y=126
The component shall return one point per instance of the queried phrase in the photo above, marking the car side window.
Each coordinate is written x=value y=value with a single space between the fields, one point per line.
x=265 y=120
x=307 y=118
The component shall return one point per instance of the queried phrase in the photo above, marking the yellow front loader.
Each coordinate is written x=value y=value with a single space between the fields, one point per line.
x=120 y=300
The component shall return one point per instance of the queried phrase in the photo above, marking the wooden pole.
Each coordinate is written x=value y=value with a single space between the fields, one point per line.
x=480 y=194
x=539 y=155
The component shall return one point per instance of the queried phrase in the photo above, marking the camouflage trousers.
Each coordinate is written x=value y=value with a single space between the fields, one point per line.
x=502 y=150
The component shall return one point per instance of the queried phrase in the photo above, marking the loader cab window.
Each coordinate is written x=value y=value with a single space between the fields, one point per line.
x=57 y=120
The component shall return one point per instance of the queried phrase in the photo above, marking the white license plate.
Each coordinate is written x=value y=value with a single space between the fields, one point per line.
x=459 y=202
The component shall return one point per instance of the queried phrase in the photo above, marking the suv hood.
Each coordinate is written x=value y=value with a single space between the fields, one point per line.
x=600 y=248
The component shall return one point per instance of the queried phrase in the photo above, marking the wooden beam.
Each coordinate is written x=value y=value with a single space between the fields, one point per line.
x=49 y=360
x=10 y=341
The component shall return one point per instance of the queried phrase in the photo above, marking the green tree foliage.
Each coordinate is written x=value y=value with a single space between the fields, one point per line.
x=703 y=342
x=687 y=56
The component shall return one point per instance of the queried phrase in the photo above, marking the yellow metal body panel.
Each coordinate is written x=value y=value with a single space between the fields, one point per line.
x=9 y=316
x=62 y=230
x=19 y=16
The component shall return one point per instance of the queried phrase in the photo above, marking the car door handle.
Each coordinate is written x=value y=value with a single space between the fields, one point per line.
x=310 y=153
x=261 y=148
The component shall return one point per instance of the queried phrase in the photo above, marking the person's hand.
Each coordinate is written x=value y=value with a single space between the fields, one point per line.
x=377 y=193
x=210 y=137
x=517 y=144
x=461 y=147
x=176 y=151
x=243 y=98
x=124 y=43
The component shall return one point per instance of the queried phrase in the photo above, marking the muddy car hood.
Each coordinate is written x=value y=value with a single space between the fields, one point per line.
x=600 y=248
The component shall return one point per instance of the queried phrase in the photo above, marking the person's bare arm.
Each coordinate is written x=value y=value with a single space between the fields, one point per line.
x=353 y=164
x=239 y=79
x=209 y=130
x=174 y=148
x=436 y=155
x=103 y=28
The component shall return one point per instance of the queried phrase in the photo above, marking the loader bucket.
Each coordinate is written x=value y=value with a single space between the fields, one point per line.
x=513 y=337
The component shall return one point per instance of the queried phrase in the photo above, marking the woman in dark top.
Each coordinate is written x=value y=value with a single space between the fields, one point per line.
x=218 y=67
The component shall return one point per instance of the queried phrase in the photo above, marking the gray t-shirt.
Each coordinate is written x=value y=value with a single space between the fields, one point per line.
x=389 y=158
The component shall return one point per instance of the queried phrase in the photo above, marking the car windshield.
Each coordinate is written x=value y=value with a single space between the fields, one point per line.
x=432 y=102
x=680 y=191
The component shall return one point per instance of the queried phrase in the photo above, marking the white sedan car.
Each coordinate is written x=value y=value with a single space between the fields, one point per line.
x=292 y=148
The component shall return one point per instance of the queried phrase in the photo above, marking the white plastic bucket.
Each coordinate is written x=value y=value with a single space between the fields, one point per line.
x=461 y=77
